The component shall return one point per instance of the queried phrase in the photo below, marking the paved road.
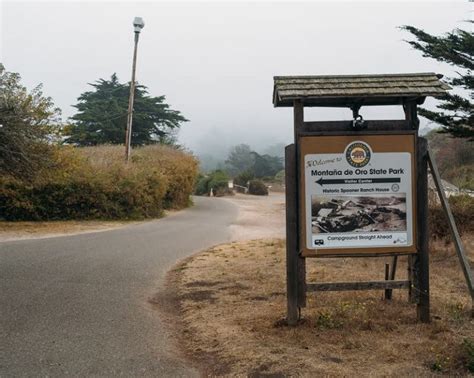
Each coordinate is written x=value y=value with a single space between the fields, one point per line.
x=78 y=305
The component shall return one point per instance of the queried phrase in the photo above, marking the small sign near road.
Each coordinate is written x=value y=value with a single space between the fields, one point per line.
x=357 y=194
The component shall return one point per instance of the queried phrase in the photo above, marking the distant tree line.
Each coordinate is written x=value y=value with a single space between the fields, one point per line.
x=242 y=159
x=246 y=168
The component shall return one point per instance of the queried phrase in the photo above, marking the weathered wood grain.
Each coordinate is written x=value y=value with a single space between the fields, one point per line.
x=361 y=285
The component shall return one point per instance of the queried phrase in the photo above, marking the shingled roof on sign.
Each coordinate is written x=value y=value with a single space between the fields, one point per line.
x=347 y=90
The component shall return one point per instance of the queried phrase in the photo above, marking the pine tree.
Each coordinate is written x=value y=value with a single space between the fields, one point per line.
x=102 y=116
x=455 y=113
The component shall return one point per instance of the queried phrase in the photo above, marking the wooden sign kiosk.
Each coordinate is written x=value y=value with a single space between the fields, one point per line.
x=357 y=188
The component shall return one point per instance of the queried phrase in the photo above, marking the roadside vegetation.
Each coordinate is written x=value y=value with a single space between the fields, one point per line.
x=462 y=207
x=340 y=334
x=52 y=171
x=215 y=183
x=250 y=172
x=96 y=183
x=454 y=157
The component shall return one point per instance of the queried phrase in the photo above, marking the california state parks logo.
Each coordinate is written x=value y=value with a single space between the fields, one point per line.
x=358 y=154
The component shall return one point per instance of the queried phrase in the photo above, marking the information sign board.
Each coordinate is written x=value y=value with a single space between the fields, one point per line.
x=357 y=194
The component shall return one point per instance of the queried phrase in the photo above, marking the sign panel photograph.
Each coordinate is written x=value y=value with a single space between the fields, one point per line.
x=358 y=194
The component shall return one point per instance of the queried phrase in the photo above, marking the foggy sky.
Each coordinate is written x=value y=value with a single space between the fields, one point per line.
x=215 y=62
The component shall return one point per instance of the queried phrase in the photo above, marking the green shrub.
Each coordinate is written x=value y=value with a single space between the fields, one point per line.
x=179 y=169
x=217 y=181
x=95 y=182
x=202 y=187
x=258 y=188
x=242 y=180
x=469 y=352
x=462 y=207
x=280 y=177
x=326 y=320
x=461 y=175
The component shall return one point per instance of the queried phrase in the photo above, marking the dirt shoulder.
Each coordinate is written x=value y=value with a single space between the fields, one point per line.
x=228 y=305
x=10 y=231
x=259 y=216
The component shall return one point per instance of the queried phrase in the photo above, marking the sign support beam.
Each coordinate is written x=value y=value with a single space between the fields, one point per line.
x=298 y=119
x=296 y=265
x=291 y=236
x=421 y=259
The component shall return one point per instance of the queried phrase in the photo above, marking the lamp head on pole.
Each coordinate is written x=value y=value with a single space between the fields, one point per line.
x=138 y=24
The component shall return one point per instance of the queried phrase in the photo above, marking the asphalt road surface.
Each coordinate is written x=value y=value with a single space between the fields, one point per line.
x=77 y=305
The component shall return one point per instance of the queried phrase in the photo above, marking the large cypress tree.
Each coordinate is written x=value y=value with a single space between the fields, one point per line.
x=455 y=113
x=102 y=116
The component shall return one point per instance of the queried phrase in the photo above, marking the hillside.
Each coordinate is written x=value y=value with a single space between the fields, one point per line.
x=454 y=157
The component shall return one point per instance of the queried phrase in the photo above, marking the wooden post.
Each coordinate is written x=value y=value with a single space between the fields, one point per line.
x=421 y=263
x=393 y=272
x=295 y=264
x=298 y=125
x=301 y=282
x=128 y=132
x=411 y=114
x=413 y=289
x=291 y=236
x=416 y=263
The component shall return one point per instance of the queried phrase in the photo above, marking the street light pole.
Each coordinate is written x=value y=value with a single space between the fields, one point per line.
x=138 y=26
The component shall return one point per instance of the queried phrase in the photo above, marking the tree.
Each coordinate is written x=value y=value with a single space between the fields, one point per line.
x=243 y=160
x=240 y=159
x=266 y=165
x=277 y=149
x=241 y=181
x=102 y=116
x=456 y=48
x=217 y=181
x=27 y=123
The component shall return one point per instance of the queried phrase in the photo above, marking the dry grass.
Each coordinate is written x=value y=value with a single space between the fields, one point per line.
x=27 y=230
x=231 y=306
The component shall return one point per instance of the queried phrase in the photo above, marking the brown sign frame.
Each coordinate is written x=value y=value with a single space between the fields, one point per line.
x=417 y=280
x=394 y=142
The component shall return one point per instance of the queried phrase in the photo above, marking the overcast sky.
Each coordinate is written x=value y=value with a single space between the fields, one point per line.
x=215 y=62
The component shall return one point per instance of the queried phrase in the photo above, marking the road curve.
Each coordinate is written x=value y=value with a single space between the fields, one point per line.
x=77 y=305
